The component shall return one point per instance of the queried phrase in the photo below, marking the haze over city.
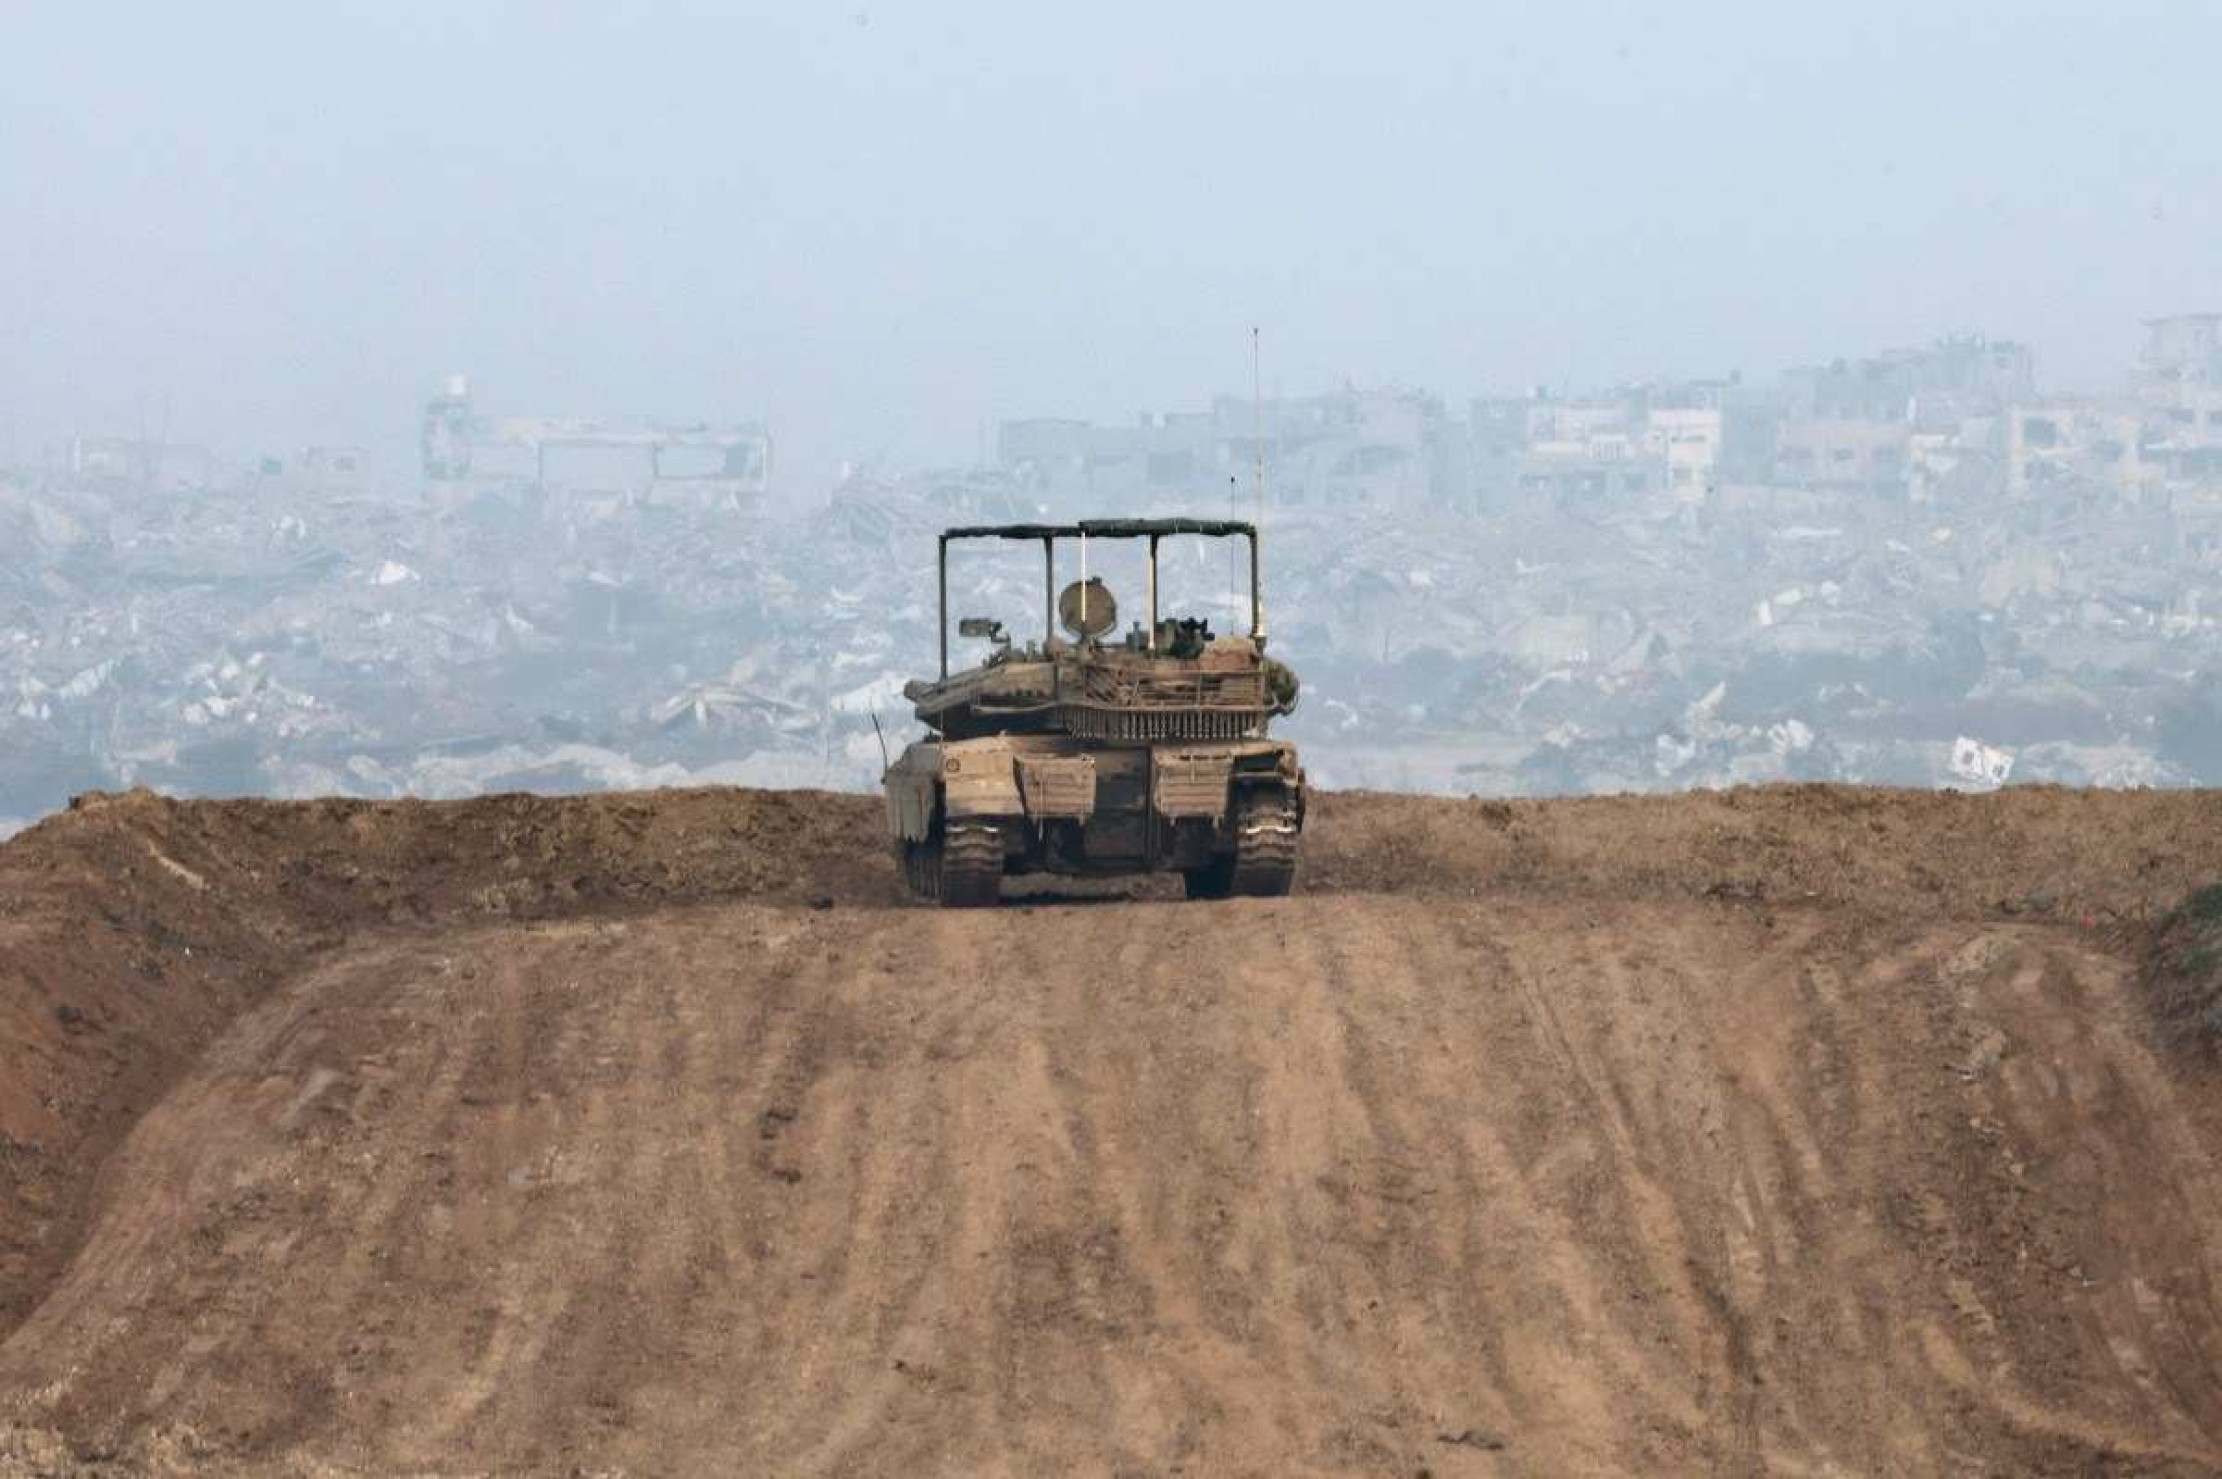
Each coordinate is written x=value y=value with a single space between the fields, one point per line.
x=433 y=400
x=884 y=228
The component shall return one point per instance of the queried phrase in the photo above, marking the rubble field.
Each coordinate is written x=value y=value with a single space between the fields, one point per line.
x=1798 y=1128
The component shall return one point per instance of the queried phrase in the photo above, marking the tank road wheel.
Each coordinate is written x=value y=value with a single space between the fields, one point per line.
x=1265 y=832
x=971 y=866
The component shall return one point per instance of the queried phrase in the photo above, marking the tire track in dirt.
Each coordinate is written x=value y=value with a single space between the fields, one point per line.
x=135 y=930
x=1281 y=1186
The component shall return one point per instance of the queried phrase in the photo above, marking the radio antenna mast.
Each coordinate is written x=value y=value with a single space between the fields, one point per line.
x=1257 y=430
x=1257 y=418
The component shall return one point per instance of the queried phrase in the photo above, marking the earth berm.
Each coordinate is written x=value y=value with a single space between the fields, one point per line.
x=1801 y=1130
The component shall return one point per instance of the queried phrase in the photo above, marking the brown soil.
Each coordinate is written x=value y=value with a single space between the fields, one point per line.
x=2183 y=976
x=1801 y=1129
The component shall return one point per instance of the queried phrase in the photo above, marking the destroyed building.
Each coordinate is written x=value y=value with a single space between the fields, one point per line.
x=1352 y=448
x=1644 y=441
x=693 y=462
x=1659 y=586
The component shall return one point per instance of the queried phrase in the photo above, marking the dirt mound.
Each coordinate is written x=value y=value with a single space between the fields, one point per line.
x=133 y=929
x=1799 y=1129
x=2031 y=852
x=2183 y=974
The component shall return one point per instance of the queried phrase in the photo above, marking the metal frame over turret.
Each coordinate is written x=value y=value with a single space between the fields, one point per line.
x=1153 y=530
x=1079 y=755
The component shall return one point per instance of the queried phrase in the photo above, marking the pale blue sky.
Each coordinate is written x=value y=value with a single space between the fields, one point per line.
x=885 y=225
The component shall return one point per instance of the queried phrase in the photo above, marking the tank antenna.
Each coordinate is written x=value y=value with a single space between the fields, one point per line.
x=1257 y=429
x=1257 y=418
x=1234 y=506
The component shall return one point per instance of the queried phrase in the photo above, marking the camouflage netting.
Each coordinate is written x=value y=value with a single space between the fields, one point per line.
x=2183 y=973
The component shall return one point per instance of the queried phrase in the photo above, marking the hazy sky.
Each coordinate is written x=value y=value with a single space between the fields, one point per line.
x=883 y=226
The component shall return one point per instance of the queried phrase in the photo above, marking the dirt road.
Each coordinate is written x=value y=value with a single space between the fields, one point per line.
x=1763 y=1153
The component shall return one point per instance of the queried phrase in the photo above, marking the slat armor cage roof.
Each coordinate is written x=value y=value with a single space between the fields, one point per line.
x=1107 y=529
x=1151 y=529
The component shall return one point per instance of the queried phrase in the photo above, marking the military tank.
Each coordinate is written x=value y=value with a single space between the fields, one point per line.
x=1094 y=754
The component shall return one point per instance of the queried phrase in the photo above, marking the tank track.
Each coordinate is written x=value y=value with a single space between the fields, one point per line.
x=971 y=866
x=1265 y=833
x=1263 y=863
x=961 y=869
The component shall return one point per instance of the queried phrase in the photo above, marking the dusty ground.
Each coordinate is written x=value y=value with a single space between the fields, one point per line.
x=1800 y=1131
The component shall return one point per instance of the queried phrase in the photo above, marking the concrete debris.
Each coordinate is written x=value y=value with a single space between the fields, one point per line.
x=1984 y=765
x=1914 y=569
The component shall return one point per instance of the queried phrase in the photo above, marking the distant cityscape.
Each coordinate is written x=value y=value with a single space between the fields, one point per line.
x=1914 y=567
x=1961 y=418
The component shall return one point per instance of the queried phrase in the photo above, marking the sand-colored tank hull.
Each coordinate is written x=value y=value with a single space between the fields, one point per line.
x=1225 y=814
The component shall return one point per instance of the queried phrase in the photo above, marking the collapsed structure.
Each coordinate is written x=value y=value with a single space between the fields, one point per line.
x=1965 y=583
x=1958 y=418
x=697 y=462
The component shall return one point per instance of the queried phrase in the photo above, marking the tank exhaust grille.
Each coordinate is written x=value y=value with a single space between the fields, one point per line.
x=1160 y=724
